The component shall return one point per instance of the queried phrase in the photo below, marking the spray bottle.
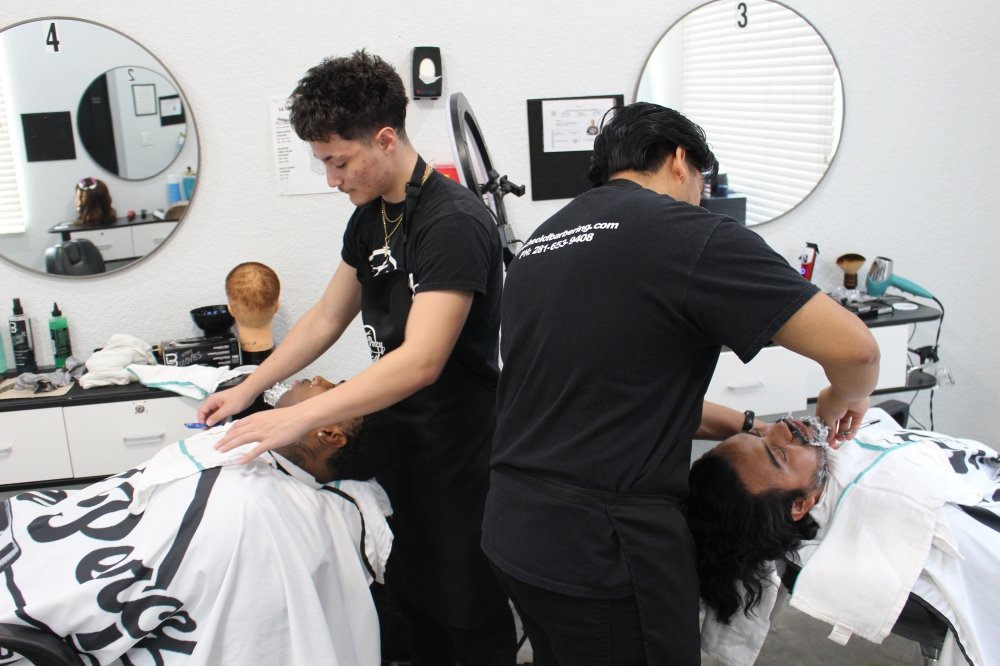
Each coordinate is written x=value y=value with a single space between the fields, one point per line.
x=22 y=340
x=59 y=332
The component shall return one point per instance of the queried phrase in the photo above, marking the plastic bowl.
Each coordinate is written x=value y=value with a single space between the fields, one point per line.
x=213 y=319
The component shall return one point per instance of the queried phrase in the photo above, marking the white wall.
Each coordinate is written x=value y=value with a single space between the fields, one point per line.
x=36 y=82
x=915 y=179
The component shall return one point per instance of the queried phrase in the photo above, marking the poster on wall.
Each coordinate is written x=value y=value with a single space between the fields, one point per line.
x=297 y=169
x=572 y=124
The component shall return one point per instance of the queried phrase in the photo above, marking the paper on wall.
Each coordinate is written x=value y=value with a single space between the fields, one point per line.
x=298 y=170
x=572 y=124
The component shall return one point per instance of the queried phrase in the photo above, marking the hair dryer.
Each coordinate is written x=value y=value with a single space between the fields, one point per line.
x=880 y=278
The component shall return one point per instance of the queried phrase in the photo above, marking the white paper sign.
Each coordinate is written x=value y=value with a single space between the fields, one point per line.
x=572 y=124
x=298 y=170
x=144 y=97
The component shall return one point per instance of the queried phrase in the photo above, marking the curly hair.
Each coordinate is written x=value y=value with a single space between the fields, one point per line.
x=737 y=534
x=370 y=443
x=352 y=97
x=640 y=137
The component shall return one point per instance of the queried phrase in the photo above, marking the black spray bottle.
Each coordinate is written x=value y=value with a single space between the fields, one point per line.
x=22 y=340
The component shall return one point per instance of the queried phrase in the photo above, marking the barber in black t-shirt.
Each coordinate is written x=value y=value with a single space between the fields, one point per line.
x=614 y=314
x=422 y=263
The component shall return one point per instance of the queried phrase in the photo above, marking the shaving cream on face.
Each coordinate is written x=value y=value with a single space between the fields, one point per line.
x=819 y=429
x=273 y=394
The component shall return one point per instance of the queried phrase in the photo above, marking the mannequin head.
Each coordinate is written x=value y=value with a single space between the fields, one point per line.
x=93 y=203
x=253 y=290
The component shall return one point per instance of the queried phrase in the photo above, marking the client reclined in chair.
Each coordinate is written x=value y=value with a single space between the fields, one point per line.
x=890 y=513
x=192 y=559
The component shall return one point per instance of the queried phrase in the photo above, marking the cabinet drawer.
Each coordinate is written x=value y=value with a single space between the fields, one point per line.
x=33 y=446
x=774 y=382
x=113 y=243
x=112 y=437
x=148 y=237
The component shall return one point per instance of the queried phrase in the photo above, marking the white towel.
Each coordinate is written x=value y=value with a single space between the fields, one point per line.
x=184 y=458
x=198 y=453
x=879 y=515
x=193 y=381
x=107 y=366
x=739 y=642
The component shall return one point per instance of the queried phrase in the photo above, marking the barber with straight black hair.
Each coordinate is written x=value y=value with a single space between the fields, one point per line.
x=613 y=317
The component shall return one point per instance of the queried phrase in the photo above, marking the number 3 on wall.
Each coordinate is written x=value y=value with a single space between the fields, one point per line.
x=741 y=15
x=52 y=39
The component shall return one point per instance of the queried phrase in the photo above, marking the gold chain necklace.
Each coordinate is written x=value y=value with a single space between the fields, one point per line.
x=385 y=218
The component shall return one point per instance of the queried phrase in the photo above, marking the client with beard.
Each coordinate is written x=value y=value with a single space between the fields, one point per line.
x=890 y=513
x=192 y=559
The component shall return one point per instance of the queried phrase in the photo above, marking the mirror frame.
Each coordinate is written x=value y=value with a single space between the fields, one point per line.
x=843 y=94
x=190 y=118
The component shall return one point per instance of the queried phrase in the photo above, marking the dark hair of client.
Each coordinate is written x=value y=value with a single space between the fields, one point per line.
x=737 y=534
x=368 y=448
x=640 y=137
x=352 y=97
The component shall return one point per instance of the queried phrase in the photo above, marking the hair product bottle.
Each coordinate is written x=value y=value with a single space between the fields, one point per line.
x=59 y=332
x=21 y=340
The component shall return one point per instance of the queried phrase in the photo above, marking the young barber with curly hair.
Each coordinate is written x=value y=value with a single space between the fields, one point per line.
x=421 y=261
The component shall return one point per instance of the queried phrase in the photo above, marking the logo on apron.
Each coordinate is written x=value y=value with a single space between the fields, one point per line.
x=376 y=348
x=387 y=263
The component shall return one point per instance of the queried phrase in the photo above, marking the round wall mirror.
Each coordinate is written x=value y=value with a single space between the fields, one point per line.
x=98 y=148
x=765 y=87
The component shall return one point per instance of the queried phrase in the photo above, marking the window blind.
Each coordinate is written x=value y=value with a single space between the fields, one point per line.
x=765 y=95
x=11 y=215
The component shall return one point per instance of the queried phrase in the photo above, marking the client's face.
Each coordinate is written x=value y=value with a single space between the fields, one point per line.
x=778 y=457
x=316 y=446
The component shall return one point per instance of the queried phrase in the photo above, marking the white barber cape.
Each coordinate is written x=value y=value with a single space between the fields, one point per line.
x=227 y=564
x=863 y=565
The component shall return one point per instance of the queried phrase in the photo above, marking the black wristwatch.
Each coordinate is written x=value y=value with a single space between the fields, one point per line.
x=748 y=421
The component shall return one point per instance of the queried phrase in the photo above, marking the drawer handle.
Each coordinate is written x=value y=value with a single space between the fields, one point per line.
x=143 y=439
x=6 y=451
x=745 y=388
x=103 y=247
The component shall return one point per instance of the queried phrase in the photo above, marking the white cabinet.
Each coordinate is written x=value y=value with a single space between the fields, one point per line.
x=148 y=237
x=115 y=243
x=111 y=437
x=892 y=343
x=33 y=446
x=774 y=382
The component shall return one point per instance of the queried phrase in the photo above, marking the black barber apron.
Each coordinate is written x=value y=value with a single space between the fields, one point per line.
x=439 y=475
x=660 y=554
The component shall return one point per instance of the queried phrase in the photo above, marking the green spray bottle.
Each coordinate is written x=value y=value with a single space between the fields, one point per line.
x=59 y=332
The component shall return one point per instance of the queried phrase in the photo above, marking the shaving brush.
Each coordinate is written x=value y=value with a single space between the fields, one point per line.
x=850 y=264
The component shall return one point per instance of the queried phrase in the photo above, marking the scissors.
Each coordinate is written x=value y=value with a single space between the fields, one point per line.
x=863 y=425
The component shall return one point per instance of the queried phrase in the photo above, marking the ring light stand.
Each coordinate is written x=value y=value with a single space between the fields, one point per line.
x=475 y=168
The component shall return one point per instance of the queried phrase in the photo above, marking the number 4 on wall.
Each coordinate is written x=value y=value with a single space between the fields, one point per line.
x=52 y=39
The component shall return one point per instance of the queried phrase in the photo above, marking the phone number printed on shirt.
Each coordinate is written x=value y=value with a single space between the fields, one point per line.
x=582 y=234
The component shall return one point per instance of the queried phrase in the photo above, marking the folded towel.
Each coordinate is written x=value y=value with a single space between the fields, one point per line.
x=879 y=516
x=193 y=381
x=107 y=366
x=186 y=457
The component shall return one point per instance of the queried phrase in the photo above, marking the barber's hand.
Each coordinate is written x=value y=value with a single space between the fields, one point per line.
x=839 y=415
x=218 y=406
x=272 y=429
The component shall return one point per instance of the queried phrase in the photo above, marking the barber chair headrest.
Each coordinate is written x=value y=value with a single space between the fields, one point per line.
x=74 y=257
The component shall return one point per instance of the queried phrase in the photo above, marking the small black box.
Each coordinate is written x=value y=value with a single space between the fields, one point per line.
x=431 y=83
x=735 y=206
x=218 y=351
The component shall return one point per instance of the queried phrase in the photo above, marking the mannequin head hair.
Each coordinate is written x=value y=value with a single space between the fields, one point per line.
x=640 y=137
x=94 y=203
x=352 y=97
x=253 y=290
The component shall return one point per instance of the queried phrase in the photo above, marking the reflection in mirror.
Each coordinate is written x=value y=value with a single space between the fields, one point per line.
x=98 y=149
x=766 y=89
x=131 y=121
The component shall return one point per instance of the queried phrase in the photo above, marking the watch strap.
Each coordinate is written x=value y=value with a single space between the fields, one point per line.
x=748 y=420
